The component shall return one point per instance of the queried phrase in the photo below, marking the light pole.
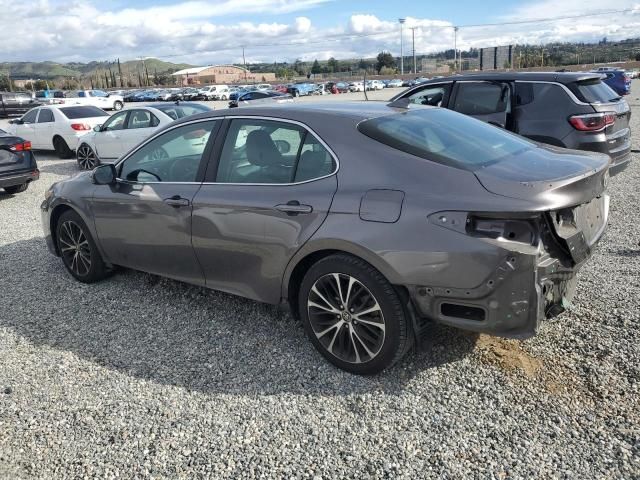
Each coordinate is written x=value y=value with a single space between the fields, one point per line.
x=401 y=20
x=455 y=49
x=413 y=44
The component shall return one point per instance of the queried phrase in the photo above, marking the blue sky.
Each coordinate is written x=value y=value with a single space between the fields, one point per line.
x=204 y=32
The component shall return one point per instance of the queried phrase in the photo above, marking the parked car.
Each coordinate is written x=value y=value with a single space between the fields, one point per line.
x=472 y=227
x=214 y=92
x=280 y=88
x=57 y=127
x=356 y=87
x=618 y=80
x=264 y=86
x=571 y=110
x=49 y=97
x=341 y=87
x=375 y=85
x=301 y=89
x=124 y=130
x=395 y=83
x=16 y=103
x=222 y=92
x=96 y=98
x=260 y=96
x=18 y=167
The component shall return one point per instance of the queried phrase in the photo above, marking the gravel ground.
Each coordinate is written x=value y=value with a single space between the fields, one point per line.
x=141 y=377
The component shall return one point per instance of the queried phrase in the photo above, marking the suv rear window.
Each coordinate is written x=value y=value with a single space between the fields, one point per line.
x=445 y=137
x=594 y=91
x=83 y=112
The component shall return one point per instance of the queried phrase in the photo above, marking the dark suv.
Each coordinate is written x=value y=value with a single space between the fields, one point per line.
x=16 y=103
x=571 y=110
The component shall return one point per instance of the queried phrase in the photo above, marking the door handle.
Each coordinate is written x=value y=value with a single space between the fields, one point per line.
x=177 y=201
x=294 y=207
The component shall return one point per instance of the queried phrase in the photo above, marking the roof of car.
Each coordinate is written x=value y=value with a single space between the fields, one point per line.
x=560 y=77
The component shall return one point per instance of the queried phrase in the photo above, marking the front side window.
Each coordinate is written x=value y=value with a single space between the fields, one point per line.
x=30 y=116
x=174 y=156
x=98 y=93
x=271 y=152
x=142 y=119
x=432 y=95
x=46 y=116
x=116 y=122
x=481 y=98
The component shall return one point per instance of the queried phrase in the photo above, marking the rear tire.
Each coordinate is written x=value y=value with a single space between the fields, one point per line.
x=78 y=250
x=117 y=105
x=12 y=190
x=353 y=315
x=62 y=149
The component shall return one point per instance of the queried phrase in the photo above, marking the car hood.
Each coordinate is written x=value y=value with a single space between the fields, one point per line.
x=552 y=176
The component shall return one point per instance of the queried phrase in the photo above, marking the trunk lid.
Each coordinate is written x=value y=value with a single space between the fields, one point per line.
x=551 y=176
x=13 y=161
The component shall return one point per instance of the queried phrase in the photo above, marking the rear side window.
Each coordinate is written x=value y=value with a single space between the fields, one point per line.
x=83 y=112
x=594 y=91
x=445 y=137
x=481 y=98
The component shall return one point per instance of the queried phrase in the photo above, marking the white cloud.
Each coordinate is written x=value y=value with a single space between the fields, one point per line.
x=200 y=32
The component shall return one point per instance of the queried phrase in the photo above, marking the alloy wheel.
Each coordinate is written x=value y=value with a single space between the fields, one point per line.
x=75 y=248
x=86 y=157
x=346 y=318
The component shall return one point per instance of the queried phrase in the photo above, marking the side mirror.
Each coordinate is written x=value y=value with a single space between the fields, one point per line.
x=104 y=174
x=97 y=128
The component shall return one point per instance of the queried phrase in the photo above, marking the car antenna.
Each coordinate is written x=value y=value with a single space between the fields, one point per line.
x=404 y=103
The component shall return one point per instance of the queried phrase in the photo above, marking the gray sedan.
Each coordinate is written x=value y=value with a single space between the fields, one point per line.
x=369 y=221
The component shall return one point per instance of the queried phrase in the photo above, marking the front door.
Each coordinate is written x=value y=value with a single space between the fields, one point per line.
x=45 y=129
x=108 y=140
x=269 y=191
x=140 y=125
x=144 y=220
x=26 y=128
x=486 y=101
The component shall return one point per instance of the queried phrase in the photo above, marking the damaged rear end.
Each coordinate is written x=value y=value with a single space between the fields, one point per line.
x=542 y=247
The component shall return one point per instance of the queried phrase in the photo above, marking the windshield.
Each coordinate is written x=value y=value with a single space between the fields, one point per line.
x=82 y=112
x=595 y=91
x=180 y=111
x=445 y=137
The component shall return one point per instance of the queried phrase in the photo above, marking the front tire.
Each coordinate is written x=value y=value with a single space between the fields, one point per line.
x=86 y=157
x=12 y=190
x=62 y=149
x=353 y=315
x=118 y=105
x=78 y=250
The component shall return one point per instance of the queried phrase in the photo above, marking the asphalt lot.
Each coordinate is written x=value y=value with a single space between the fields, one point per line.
x=142 y=377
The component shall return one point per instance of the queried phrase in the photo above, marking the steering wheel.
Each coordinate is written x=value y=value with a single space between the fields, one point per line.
x=183 y=169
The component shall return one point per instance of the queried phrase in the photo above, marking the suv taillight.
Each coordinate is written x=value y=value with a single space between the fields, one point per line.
x=20 y=147
x=592 y=122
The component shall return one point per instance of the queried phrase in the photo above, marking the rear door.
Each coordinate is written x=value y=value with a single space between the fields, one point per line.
x=45 y=127
x=267 y=191
x=486 y=101
x=108 y=141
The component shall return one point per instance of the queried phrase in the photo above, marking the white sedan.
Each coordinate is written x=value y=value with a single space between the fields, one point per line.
x=57 y=127
x=126 y=129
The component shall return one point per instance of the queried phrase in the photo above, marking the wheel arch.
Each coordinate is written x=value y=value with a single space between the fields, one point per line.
x=311 y=254
x=56 y=213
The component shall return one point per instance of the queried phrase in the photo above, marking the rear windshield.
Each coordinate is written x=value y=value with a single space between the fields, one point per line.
x=179 y=111
x=445 y=137
x=594 y=91
x=83 y=112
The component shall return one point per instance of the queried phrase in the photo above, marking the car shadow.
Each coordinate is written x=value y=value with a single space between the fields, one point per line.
x=64 y=168
x=175 y=334
x=627 y=252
